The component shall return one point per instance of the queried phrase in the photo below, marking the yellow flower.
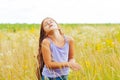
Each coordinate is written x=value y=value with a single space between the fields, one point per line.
x=98 y=47
x=88 y=64
x=32 y=30
x=110 y=42
x=1 y=35
x=86 y=44
x=25 y=67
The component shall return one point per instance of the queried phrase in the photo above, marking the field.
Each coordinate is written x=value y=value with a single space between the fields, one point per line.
x=97 y=50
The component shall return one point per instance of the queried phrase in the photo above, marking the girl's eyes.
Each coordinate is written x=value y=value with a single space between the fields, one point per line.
x=47 y=22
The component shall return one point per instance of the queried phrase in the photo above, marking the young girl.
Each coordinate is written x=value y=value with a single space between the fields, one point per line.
x=56 y=52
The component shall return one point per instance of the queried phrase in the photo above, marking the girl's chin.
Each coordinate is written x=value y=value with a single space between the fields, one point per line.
x=53 y=28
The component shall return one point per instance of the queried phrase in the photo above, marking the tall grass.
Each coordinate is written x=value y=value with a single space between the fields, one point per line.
x=97 y=50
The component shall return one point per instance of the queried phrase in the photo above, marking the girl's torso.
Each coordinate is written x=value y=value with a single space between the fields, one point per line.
x=58 y=54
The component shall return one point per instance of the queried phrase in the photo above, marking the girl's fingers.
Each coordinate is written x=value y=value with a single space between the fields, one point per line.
x=75 y=66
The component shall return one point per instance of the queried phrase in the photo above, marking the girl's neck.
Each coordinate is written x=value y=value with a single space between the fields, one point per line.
x=55 y=35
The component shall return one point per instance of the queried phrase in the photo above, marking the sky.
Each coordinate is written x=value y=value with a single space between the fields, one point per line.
x=63 y=11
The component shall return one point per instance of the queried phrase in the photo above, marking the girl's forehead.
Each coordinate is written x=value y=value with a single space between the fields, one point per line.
x=47 y=19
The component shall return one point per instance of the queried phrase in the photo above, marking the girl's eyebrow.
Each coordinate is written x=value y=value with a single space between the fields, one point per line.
x=46 y=20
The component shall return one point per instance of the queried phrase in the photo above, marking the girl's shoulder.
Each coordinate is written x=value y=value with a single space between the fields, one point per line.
x=46 y=41
x=69 y=38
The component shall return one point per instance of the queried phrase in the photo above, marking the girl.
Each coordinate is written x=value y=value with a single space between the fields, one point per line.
x=56 y=52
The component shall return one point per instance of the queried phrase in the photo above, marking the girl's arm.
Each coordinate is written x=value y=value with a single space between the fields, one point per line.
x=47 y=56
x=71 y=49
x=73 y=65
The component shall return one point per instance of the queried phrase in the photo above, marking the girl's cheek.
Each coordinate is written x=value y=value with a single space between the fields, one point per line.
x=46 y=29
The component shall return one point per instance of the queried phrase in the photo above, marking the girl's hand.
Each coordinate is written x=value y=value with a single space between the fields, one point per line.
x=74 y=66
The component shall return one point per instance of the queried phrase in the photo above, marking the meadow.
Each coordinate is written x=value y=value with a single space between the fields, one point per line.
x=97 y=50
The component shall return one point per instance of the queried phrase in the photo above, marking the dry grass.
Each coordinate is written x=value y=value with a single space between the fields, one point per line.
x=97 y=50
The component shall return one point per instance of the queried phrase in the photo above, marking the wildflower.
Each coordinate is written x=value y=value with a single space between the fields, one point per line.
x=32 y=30
x=88 y=64
x=98 y=47
x=25 y=67
x=110 y=43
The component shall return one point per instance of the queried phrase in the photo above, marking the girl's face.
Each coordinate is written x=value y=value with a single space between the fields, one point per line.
x=49 y=25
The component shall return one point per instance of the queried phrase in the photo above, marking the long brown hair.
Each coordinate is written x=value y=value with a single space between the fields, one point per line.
x=39 y=56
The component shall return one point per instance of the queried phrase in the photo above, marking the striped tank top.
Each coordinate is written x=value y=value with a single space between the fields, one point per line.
x=58 y=54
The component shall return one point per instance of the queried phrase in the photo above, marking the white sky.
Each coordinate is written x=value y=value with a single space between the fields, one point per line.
x=63 y=11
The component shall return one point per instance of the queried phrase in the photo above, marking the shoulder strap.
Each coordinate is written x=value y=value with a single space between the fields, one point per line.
x=49 y=39
x=66 y=40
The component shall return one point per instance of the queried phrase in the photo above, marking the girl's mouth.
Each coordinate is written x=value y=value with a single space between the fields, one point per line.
x=50 y=25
